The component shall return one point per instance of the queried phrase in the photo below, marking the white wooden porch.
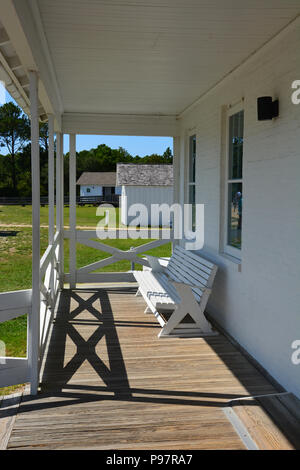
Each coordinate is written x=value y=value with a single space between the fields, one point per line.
x=108 y=382
x=59 y=60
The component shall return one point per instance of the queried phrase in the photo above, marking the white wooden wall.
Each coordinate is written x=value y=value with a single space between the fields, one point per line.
x=95 y=190
x=146 y=195
x=257 y=300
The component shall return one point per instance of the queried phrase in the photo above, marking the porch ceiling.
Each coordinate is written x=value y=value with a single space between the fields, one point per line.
x=150 y=57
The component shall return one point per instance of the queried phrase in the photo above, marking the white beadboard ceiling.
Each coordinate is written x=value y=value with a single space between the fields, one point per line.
x=152 y=56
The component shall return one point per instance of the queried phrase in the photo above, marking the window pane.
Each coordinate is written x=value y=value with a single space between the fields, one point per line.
x=192 y=194
x=192 y=201
x=236 y=139
x=235 y=208
x=192 y=162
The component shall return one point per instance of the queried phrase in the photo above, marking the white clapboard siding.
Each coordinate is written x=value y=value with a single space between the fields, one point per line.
x=146 y=195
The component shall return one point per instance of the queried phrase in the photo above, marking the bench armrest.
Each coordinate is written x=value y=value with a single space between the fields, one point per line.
x=155 y=264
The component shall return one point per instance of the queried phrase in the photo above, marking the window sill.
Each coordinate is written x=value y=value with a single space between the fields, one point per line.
x=237 y=262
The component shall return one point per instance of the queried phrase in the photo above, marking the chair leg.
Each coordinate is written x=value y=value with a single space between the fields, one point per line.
x=189 y=305
x=148 y=310
x=176 y=317
x=138 y=293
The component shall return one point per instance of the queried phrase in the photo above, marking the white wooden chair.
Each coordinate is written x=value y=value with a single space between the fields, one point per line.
x=177 y=294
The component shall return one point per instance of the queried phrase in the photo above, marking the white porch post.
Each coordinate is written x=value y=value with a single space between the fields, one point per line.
x=60 y=204
x=182 y=168
x=182 y=175
x=176 y=169
x=51 y=228
x=72 y=204
x=51 y=178
x=58 y=185
x=34 y=317
x=176 y=173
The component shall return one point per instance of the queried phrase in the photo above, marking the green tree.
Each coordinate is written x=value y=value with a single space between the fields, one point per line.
x=155 y=159
x=14 y=133
x=167 y=155
x=44 y=135
x=15 y=167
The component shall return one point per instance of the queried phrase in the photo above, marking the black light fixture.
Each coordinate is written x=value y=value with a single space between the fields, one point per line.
x=267 y=109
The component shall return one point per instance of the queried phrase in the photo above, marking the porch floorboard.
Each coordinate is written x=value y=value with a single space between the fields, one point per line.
x=110 y=383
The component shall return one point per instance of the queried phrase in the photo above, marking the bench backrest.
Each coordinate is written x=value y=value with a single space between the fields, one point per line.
x=186 y=266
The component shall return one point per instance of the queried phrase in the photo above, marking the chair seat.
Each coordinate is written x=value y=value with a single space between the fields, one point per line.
x=157 y=288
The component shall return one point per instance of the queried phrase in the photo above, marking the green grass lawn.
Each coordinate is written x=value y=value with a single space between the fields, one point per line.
x=16 y=255
x=18 y=215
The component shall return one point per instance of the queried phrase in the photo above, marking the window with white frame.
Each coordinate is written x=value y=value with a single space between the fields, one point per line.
x=234 y=182
x=192 y=179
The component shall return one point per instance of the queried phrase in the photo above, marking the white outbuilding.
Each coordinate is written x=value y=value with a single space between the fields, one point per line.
x=145 y=185
x=98 y=184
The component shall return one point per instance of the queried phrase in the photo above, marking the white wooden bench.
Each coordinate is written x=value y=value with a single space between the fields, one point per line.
x=177 y=294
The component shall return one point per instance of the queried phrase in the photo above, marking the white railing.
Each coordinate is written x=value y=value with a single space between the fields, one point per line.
x=14 y=304
x=15 y=370
x=86 y=274
x=49 y=288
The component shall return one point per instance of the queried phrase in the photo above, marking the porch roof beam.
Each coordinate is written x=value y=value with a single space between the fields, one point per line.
x=120 y=124
x=23 y=28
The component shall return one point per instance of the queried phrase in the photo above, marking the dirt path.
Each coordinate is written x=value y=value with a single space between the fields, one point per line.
x=79 y=227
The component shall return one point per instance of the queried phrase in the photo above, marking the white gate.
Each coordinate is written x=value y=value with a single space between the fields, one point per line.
x=12 y=305
x=17 y=370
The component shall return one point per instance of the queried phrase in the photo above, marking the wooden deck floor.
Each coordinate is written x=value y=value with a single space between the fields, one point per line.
x=110 y=383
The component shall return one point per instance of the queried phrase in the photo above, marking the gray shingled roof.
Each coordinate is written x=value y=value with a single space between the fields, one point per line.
x=103 y=178
x=129 y=174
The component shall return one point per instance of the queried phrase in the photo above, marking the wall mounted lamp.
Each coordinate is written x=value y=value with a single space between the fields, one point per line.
x=267 y=109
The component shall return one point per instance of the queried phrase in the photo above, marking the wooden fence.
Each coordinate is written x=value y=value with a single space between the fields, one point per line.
x=80 y=200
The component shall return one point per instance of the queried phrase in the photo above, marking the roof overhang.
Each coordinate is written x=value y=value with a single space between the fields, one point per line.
x=130 y=67
x=119 y=124
x=26 y=52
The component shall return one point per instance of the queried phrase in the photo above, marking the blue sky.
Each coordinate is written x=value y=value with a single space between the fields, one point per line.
x=134 y=145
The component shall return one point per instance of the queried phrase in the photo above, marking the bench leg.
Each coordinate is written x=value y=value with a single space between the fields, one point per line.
x=176 y=317
x=138 y=293
x=148 y=310
x=189 y=306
